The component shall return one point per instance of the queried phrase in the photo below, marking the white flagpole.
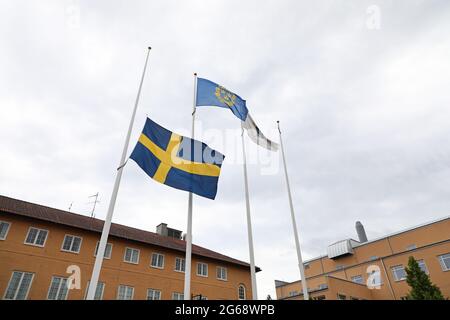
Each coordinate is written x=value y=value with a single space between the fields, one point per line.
x=112 y=202
x=249 y=222
x=294 y=223
x=188 y=259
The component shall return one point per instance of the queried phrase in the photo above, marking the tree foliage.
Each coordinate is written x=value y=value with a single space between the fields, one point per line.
x=421 y=286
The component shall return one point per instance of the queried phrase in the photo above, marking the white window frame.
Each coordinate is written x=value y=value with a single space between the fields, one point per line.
x=222 y=269
x=182 y=262
x=110 y=251
x=101 y=294
x=18 y=286
x=71 y=243
x=394 y=274
x=153 y=292
x=203 y=264
x=125 y=255
x=422 y=261
x=441 y=257
x=358 y=276
x=7 y=229
x=239 y=292
x=126 y=287
x=59 y=287
x=180 y=296
x=37 y=236
x=159 y=255
x=411 y=246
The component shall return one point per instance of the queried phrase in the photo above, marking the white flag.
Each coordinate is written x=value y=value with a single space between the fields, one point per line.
x=257 y=136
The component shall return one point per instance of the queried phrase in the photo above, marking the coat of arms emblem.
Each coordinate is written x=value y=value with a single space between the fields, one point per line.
x=225 y=96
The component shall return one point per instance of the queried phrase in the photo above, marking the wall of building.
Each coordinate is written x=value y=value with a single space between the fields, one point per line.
x=431 y=241
x=50 y=261
x=347 y=288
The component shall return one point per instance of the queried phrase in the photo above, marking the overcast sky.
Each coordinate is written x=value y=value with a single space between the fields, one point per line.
x=361 y=89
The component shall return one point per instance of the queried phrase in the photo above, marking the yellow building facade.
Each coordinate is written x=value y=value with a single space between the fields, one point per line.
x=41 y=249
x=375 y=270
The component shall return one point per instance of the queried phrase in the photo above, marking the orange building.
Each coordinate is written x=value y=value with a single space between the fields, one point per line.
x=375 y=270
x=42 y=249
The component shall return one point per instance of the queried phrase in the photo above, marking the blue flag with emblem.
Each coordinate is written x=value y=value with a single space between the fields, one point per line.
x=180 y=162
x=212 y=94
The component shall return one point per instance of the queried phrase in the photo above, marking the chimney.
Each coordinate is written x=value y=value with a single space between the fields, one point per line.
x=361 y=232
x=161 y=229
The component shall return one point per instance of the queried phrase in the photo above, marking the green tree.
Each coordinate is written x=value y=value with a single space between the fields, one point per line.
x=421 y=286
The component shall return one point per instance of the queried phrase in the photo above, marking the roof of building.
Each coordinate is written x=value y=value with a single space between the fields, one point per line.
x=36 y=211
x=360 y=244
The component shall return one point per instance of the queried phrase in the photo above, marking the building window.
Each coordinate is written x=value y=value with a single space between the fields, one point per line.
x=202 y=269
x=58 y=289
x=131 y=255
x=177 y=296
x=293 y=293
x=372 y=258
x=444 y=260
x=323 y=286
x=411 y=247
x=423 y=266
x=358 y=279
x=153 y=294
x=241 y=292
x=180 y=264
x=306 y=266
x=108 y=250
x=399 y=273
x=221 y=273
x=199 y=297
x=36 y=237
x=98 y=291
x=374 y=278
x=71 y=244
x=19 y=285
x=4 y=228
x=319 y=298
x=341 y=296
x=157 y=261
x=125 y=293
x=340 y=267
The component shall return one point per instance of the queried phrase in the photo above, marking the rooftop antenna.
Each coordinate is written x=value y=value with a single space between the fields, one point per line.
x=94 y=202
x=70 y=207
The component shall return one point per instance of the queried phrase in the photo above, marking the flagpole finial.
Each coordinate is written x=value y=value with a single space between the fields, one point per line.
x=149 y=48
x=278 y=124
x=195 y=73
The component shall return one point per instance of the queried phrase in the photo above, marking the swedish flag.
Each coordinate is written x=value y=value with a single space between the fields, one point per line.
x=178 y=161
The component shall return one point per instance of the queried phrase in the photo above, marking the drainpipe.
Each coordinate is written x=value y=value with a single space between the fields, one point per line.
x=387 y=278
